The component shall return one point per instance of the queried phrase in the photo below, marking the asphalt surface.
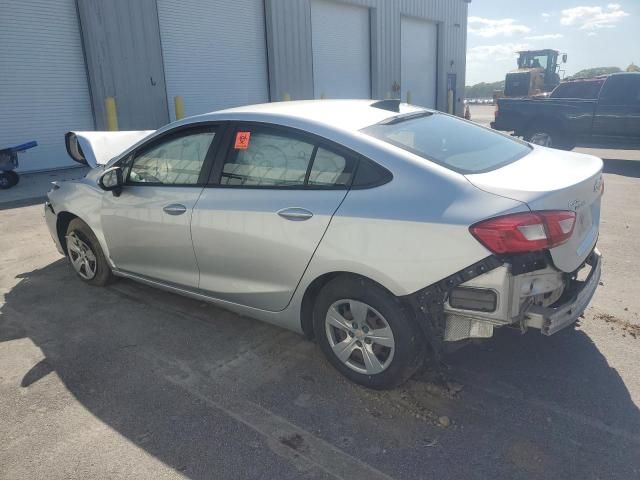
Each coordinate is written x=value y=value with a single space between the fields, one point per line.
x=132 y=382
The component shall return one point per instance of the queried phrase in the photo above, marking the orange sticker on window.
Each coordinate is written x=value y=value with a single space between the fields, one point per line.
x=242 y=140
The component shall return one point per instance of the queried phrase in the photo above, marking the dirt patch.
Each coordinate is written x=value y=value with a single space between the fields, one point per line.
x=419 y=398
x=626 y=327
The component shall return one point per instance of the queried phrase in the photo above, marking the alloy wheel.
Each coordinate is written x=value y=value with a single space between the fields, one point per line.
x=542 y=139
x=359 y=336
x=82 y=258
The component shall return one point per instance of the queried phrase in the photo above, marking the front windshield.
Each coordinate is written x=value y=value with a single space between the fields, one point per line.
x=534 y=61
x=458 y=145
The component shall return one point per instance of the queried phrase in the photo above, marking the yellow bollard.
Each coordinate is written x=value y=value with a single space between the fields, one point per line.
x=450 y=102
x=111 y=113
x=178 y=103
x=286 y=97
x=409 y=97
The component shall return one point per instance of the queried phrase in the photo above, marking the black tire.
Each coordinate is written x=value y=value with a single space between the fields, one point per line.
x=557 y=138
x=5 y=181
x=13 y=177
x=103 y=274
x=409 y=345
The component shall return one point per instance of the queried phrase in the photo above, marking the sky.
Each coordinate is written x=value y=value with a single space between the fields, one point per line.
x=591 y=33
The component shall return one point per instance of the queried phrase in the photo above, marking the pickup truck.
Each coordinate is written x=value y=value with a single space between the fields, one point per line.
x=612 y=119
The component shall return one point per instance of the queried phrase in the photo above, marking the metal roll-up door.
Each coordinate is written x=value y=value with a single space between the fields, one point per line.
x=214 y=53
x=419 y=61
x=43 y=80
x=341 y=46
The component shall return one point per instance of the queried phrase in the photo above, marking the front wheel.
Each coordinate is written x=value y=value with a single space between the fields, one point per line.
x=86 y=256
x=366 y=333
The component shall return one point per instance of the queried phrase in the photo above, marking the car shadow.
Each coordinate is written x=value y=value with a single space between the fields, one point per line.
x=156 y=368
x=627 y=168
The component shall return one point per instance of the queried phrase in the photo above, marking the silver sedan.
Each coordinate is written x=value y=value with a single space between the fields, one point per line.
x=380 y=229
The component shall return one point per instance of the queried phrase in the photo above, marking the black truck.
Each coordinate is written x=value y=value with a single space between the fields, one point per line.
x=611 y=119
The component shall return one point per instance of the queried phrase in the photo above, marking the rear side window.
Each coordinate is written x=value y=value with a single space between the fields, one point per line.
x=330 y=169
x=267 y=158
x=458 y=145
x=278 y=158
x=621 y=90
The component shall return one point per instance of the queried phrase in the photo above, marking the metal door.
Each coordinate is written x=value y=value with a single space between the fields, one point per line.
x=124 y=60
x=341 y=50
x=419 y=59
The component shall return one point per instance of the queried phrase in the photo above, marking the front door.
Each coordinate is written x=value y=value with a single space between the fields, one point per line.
x=147 y=227
x=255 y=232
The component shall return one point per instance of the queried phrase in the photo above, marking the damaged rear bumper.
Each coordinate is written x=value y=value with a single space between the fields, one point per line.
x=554 y=318
x=528 y=291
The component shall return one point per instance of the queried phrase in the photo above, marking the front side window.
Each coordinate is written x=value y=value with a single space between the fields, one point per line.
x=175 y=161
x=266 y=157
x=458 y=145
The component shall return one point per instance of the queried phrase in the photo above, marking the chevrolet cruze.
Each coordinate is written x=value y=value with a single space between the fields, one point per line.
x=380 y=229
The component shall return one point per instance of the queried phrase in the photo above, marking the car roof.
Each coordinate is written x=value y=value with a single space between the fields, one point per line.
x=349 y=115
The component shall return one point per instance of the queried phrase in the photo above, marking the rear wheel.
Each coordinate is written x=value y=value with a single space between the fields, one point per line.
x=549 y=136
x=5 y=181
x=13 y=177
x=366 y=333
x=86 y=256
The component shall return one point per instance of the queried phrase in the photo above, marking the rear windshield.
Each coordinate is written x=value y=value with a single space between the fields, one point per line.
x=458 y=145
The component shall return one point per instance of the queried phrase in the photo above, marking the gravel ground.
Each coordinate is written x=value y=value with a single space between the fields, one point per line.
x=132 y=382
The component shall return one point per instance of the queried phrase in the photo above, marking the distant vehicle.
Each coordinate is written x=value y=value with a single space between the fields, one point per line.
x=611 y=118
x=538 y=71
x=382 y=229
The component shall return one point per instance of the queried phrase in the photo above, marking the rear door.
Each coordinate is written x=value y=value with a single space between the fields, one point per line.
x=256 y=228
x=617 y=114
x=147 y=227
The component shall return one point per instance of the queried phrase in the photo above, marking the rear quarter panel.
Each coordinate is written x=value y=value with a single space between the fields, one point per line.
x=410 y=232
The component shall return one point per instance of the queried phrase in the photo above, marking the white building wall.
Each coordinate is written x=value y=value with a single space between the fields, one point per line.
x=43 y=81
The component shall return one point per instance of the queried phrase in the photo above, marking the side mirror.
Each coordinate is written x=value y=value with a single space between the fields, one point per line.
x=112 y=180
x=564 y=58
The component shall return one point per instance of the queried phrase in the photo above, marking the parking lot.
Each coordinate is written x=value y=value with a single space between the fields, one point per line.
x=132 y=382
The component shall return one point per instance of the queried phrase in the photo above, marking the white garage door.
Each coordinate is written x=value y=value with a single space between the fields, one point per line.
x=419 y=57
x=341 y=50
x=214 y=53
x=43 y=80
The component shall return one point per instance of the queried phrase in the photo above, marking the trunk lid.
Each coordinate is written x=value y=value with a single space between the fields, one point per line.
x=548 y=179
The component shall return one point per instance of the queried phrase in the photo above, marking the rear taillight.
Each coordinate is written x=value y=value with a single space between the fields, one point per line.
x=525 y=232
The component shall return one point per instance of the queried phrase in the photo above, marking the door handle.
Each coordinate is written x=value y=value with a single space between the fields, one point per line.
x=295 y=214
x=175 y=209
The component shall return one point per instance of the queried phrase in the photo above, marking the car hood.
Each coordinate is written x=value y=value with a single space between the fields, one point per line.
x=97 y=148
x=549 y=179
